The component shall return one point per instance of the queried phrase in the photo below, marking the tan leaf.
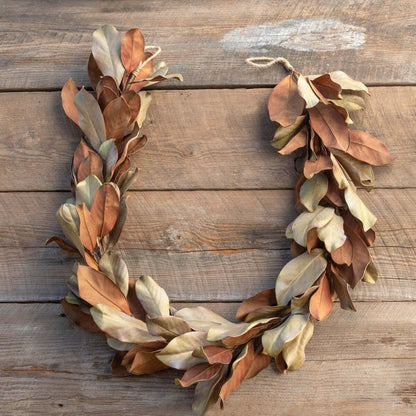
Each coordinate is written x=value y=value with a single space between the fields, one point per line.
x=296 y=142
x=367 y=148
x=167 y=327
x=370 y=274
x=114 y=267
x=118 y=227
x=240 y=368
x=106 y=45
x=116 y=118
x=133 y=100
x=299 y=275
x=293 y=352
x=284 y=135
x=313 y=190
x=153 y=298
x=359 y=209
x=90 y=118
x=199 y=372
x=144 y=361
x=321 y=305
x=200 y=318
x=121 y=326
x=68 y=93
x=68 y=219
x=351 y=102
x=306 y=92
x=332 y=233
x=109 y=154
x=132 y=49
x=90 y=165
x=285 y=103
x=346 y=82
x=145 y=100
x=330 y=126
x=86 y=189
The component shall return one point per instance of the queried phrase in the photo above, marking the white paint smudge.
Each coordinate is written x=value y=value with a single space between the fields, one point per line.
x=307 y=34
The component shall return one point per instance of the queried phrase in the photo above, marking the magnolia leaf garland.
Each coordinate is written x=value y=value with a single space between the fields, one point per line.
x=330 y=237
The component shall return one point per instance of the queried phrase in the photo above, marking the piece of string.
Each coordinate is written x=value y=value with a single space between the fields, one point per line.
x=269 y=62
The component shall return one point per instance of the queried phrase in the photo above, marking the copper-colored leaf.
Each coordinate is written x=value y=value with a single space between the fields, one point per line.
x=116 y=118
x=367 y=148
x=285 y=103
x=62 y=244
x=94 y=73
x=135 y=306
x=88 y=227
x=79 y=317
x=296 y=142
x=132 y=49
x=264 y=298
x=68 y=93
x=330 y=126
x=240 y=368
x=327 y=87
x=260 y=362
x=107 y=91
x=343 y=254
x=315 y=166
x=334 y=194
x=117 y=369
x=105 y=208
x=137 y=84
x=87 y=162
x=199 y=372
x=133 y=100
x=341 y=289
x=95 y=287
x=214 y=354
x=320 y=305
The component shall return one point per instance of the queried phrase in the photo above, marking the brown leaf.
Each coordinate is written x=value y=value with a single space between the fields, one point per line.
x=144 y=73
x=105 y=208
x=341 y=288
x=118 y=227
x=79 y=317
x=88 y=227
x=330 y=126
x=264 y=298
x=94 y=73
x=199 y=372
x=107 y=91
x=313 y=167
x=285 y=103
x=136 y=307
x=320 y=304
x=117 y=369
x=87 y=162
x=132 y=49
x=62 y=244
x=133 y=100
x=367 y=148
x=68 y=93
x=312 y=240
x=214 y=354
x=116 y=118
x=301 y=180
x=296 y=142
x=260 y=362
x=327 y=87
x=240 y=368
x=95 y=287
x=296 y=249
x=334 y=194
x=343 y=254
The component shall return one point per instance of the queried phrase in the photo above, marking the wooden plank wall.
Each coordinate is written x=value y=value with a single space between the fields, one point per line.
x=208 y=212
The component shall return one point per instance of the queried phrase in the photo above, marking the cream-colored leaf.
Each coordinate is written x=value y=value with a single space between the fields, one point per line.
x=106 y=45
x=299 y=228
x=284 y=134
x=200 y=318
x=313 y=190
x=293 y=351
x=153 y=298
x=109 y=154
x=121 y=326
x=178 y=353
x=273 y=340
x=86 y=189
x=299 y=275
x=306 y=92
x=339 y=173
x=332 y=233
x=359 y=209
x=115 y=268
x=68 y=219
x=351 y=102
x=145 y=100
x=370 y=274
x=346 y=82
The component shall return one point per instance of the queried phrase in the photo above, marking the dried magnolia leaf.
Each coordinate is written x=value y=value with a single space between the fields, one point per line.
x=106 y=46
x=114 y=267
x=293 y=352
x=320 y=305
x=86 y=189
x=107 y=91
x=312 y=167
x=341 y=289
x=332 y=233
x=78 y=317
x=199 y=372
x=116 y=118
x=299 y=275
x=214 y=354
x=69 y=91
x=154 y=299
x=370 y=274
x=90 y=118
x=350 y=102
x=200 y=318
x=359 y=209
x=132 y=50
x=284 y=134
x=343 y=254
x=259 y=363
x=96 y=288
x=109 y=154
x=285 y=103
x=313 y=190
x=327 y=87
x=274 y=339
x=133 y=100
x=264 y=298
x=306 y=92
x=178 y=353
x=346 y=82
x=167 y=327
x=68 y=219
x=88 y=228
x=367 y=148
x=94 y=73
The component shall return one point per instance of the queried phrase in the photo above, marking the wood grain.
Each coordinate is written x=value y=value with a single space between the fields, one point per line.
x=204 y=139
x=40 y=273
x=44 y=46
x=354 y=354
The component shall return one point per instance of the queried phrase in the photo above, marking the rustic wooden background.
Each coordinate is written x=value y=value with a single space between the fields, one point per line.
x=209 y=210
